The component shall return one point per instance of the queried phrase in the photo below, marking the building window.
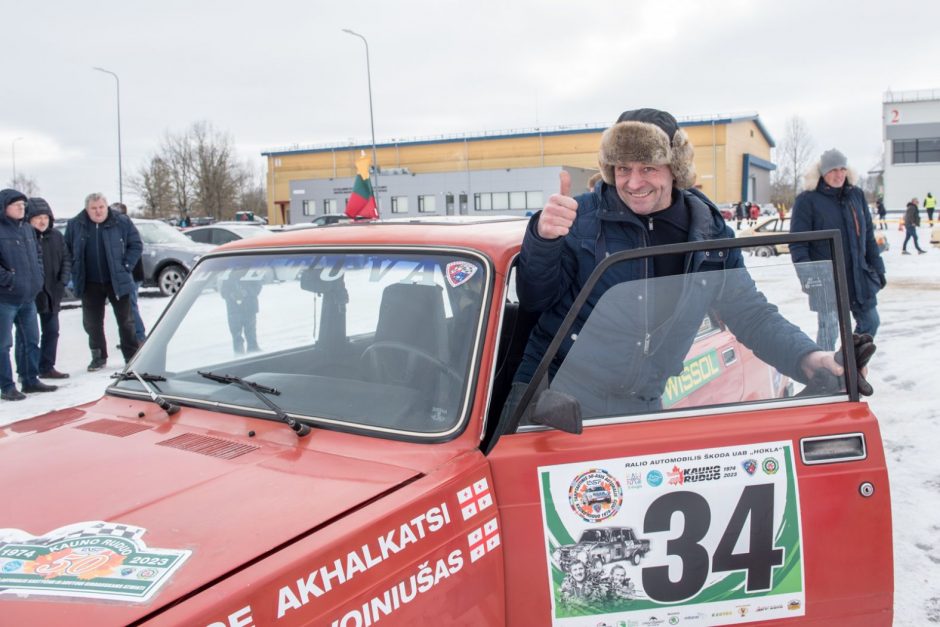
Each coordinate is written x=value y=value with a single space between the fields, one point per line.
x=500 y=201
x=309 y=207
x=482 y=202
x=399 y=204
x=329 y=206
x=426 y=204
x=517 y=200
x=533 y=200
x=916 y=150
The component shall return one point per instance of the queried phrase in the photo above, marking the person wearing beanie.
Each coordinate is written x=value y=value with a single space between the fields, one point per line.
x=104 y=246
x=832 y=201
x=56 y=265
x=645 y=198
x=20 y=281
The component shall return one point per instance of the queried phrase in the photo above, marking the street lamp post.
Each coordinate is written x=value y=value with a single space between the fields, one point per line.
x=13 y=150
x=120 y=161
x=375 y=162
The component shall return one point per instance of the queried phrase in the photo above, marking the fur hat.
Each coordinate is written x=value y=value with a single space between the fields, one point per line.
x=648 y=136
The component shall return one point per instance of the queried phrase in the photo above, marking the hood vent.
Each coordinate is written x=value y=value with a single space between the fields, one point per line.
x=206 y=445
x=116 y=428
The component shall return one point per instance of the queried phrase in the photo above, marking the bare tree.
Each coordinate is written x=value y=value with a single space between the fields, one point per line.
x=177 y=153
x=153 y=183
x=793 y=155
x=25 y=184
x=217 y=175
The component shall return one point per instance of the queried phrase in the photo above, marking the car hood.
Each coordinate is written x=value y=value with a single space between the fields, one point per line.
x=200 y=505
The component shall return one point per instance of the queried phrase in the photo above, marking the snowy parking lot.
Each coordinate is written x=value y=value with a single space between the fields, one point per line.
x=901 y=373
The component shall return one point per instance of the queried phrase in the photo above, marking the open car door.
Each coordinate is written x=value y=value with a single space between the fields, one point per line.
x=702 y=489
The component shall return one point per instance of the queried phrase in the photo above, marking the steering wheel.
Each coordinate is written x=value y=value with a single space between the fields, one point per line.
x=404 y=375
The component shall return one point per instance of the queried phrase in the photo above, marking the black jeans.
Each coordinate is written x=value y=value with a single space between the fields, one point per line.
x=93 y=318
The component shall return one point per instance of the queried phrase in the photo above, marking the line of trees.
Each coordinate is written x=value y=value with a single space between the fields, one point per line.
x=197 y=173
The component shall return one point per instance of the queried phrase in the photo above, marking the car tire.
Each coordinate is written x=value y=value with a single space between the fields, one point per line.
x=764 y=251
x=635 y=558
x=170 y=279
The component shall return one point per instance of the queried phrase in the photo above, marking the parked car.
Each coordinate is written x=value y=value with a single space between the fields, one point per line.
x=219 y=233
x=168 y=255
x=331 y=449
x=773 y=225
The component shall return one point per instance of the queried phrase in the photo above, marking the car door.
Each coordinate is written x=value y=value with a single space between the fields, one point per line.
x=757 y=509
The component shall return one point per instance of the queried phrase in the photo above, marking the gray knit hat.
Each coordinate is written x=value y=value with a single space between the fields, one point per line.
x=830 y=160
x=648 y=136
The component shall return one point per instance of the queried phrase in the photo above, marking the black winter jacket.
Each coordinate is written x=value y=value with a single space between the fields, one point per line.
x=20 y=260
x=55 y=259
x=552 y=272
x=122 y=246
x=845 y=210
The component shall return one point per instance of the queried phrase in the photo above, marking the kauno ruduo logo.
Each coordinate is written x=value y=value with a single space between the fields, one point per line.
x=595 y=495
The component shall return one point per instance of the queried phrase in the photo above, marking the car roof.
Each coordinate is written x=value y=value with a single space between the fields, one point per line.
x=494 y=236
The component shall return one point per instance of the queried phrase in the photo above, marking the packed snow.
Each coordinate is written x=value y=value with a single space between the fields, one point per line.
x=902 y=373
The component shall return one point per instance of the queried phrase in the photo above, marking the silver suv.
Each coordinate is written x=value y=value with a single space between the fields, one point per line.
x=168 y=255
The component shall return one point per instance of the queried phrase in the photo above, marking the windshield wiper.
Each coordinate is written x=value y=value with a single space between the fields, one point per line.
x=144 y=377
x=261 y=391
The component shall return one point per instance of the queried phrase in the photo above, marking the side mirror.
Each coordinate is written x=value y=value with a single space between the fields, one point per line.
x=559 y=411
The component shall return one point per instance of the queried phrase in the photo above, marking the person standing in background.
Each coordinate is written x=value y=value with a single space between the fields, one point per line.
x=56 y=265
x=20 y=281
x=832 y=201
x=138 y=275
x=882 y=212
x=911 y=222
x=104 y=246
x=930 y=203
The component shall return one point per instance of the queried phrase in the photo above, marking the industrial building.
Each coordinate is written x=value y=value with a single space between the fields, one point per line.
x=510 y=172
x=911 y=168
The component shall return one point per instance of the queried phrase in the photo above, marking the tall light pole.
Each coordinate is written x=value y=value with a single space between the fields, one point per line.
x=375 y=161
x=13 y=150
x=120 y=161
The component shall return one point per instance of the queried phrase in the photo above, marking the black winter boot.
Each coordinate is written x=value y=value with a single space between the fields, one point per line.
x=98 y=361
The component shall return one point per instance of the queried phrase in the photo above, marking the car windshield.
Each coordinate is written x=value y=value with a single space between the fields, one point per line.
x=355 y=340
x=161 y=233
x=703 y=339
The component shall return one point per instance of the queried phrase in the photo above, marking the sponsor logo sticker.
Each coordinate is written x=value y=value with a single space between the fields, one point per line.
x=595 y=495
x=770 y=466
x=459 y=272
x=654 y=478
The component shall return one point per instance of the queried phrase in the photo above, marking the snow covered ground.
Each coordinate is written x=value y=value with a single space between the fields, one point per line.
x=902 y=373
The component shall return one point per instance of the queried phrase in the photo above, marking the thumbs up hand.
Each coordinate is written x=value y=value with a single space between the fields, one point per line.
x=558 y=215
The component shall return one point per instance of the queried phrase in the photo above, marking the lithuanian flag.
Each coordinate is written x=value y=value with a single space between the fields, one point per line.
x=361 y=205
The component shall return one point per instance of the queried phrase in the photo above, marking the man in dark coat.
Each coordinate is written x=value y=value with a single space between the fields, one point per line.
x=56 y=265
x=20 y=281
x=831 y=201
x=647 y=165
x=104 y=246
x=911 y=224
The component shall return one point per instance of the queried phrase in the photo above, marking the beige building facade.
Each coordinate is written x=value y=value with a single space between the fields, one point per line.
x=732 y=159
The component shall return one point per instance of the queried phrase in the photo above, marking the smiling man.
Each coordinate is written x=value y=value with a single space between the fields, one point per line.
x=645 y=199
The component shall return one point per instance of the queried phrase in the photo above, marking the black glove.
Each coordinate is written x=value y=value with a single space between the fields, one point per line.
x=864 y=349
x=882 y=279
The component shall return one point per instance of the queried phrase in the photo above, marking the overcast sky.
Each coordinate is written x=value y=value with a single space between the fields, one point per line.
x=273 y=74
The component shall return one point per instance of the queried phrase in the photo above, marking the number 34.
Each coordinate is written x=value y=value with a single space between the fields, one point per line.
x=756 y=502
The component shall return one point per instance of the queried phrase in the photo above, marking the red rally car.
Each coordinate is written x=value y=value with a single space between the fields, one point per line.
x=314 y=433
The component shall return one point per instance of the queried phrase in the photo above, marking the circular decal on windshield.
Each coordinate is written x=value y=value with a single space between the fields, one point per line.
x=595 y=495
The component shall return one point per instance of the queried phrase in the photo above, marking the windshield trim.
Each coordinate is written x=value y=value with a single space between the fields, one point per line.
x=466 y=403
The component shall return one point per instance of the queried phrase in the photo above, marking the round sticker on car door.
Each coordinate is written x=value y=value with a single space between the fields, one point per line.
x=710 y=540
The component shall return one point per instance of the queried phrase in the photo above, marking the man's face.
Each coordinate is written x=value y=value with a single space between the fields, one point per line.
x=577 y=571
x=97 y=210
x=643 y=187
x=16 y=210
x=618 y=575
x=835 y=177
x=40 y=222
